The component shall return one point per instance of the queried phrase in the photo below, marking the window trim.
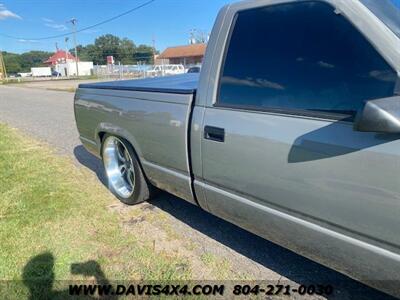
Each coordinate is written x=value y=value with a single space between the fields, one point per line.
x=291 y=112
x=283 y=111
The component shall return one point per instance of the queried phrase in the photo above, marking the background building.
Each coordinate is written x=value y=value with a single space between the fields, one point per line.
x=60 y=56
x=69 y=68
x=185 y=55
x=65 y=63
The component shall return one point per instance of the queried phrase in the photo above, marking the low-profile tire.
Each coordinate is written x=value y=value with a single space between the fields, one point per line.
x=124 y=174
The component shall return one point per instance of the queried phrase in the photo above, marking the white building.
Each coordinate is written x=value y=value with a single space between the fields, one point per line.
x=41 y=72
x=68 y=68
x=64 y=63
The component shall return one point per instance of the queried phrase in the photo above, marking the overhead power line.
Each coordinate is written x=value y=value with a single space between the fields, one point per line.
x=82 y=29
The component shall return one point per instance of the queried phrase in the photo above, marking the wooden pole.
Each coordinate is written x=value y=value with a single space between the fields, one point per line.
x=3 y=72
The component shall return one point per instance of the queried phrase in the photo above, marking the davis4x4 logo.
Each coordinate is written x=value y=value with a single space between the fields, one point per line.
x=145 y=290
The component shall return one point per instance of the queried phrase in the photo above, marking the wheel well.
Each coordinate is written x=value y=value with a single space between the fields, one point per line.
x=101 y=137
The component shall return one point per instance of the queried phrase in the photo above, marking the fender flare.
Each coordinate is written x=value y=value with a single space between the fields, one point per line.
x=109 y=128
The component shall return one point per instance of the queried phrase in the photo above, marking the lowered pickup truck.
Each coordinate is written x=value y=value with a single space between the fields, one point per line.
x=291 y=131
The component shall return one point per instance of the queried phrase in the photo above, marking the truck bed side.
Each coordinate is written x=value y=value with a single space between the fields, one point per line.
x=153 y=120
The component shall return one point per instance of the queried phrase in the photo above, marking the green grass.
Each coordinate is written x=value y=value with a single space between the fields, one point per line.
x=64 y=89
x=54 y=215
x=220 y=266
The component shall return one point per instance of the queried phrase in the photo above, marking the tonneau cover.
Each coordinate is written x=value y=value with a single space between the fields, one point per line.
x=177 y=84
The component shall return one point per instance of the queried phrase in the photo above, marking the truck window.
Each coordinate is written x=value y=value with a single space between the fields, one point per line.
x=301 y=57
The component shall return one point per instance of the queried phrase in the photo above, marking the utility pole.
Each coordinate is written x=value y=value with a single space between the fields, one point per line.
x=3 y=72
x=74 y=21
x=192 y=39
x=154 y=49
x=66 y=68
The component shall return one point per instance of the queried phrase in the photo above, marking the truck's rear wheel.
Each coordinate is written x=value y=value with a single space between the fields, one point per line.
x=125 y=177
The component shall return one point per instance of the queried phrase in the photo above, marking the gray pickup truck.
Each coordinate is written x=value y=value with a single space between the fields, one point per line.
x=291 y=131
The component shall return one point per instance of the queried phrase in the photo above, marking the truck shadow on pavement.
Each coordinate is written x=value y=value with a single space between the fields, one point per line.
x=271 y=256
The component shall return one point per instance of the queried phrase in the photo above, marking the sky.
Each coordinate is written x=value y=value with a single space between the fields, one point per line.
x=167 y=21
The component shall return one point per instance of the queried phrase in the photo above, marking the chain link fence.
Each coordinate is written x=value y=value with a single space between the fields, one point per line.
x=121 y=71
x=116 y=72
x=138 y=71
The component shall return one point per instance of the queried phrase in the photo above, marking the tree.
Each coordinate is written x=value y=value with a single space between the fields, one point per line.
x=12 y=62
x=108 y=45
x=123 y=50
x=95 y=54
x=82 y=53
x=24 y=62
x=144 y=53
x=89 y=53
x=126 y=52
x=34 y=59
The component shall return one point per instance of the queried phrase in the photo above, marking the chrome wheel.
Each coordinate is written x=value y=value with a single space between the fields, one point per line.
x=119 y=167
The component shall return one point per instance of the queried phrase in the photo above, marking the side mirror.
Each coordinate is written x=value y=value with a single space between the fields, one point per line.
x=381 y=115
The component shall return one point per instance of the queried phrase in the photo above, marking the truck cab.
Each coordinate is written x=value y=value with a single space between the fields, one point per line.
x=292 y=130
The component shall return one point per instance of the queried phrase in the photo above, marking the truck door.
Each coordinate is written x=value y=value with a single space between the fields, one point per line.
x=280 y=131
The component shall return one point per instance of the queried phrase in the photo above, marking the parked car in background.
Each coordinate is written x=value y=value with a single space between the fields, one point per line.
x=25 y=74
x=194 y=70
x=163 y=70
x=55 y=74
x=156 y=71
x=292 y=131
x=174 y=69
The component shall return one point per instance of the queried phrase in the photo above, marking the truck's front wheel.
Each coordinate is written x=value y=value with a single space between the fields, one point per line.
x=125 y=177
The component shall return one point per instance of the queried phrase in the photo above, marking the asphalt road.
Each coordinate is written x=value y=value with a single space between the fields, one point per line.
x=48 y=116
